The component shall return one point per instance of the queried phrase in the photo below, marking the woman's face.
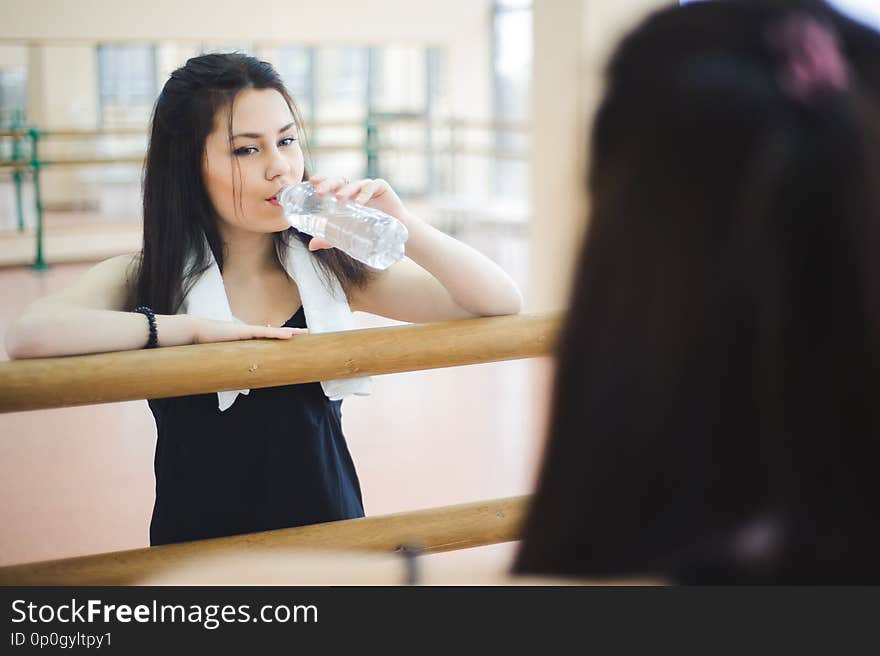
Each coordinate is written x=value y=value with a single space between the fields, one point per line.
x=243 y=174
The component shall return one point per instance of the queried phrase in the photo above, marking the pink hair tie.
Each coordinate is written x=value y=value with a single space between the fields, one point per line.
x=811 y=56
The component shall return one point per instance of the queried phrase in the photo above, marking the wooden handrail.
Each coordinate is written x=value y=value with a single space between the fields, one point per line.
x=183 y=370
x=82 y=161
x=495 y=153
x=463 y=123
x=432 y=531
x=77 y=133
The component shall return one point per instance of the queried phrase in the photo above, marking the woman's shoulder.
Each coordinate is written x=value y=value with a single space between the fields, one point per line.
x=125 y=264
x=120 y=270
x=107 y=285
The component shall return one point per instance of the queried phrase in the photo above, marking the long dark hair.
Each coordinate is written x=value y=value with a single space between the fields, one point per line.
x=177 y=209
x=715 y=413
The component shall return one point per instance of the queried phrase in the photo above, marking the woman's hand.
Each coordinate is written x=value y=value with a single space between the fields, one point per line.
x=376 y=193
x=207 y=330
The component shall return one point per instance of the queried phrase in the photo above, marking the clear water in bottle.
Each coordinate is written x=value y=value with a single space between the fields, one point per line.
x=371 y=236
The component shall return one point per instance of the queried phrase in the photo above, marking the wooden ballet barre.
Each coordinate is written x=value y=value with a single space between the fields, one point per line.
x=323 y=148
x=183 y=370
x=77 y=133
x=467 y=124
x=432 y=531
x=88 y=161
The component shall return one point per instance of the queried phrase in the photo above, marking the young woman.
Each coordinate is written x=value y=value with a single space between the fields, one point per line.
x=224 y=141
x=715 y=415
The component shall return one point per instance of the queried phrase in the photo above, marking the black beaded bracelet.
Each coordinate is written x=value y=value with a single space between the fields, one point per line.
x=153 y=341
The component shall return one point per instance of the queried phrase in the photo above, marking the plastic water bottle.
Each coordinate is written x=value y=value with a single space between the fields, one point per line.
x=366 y=234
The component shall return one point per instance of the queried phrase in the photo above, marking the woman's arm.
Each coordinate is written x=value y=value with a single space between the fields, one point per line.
x=440 y=279
x=89 y=317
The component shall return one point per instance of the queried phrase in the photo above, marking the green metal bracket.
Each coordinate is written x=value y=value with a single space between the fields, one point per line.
x=39 y=262
x=370 y=148
x=17 y=175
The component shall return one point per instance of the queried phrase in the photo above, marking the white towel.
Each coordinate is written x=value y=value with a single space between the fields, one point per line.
x=324 y=303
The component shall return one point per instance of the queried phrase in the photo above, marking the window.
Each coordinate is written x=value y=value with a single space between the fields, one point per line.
x=13 y=97
x=127 y=84
x=297 y=68
x=511 y=81
x=866 y=11
x=339 y=109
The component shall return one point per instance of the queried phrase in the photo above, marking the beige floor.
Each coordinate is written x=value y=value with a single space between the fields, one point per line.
x=79 y=480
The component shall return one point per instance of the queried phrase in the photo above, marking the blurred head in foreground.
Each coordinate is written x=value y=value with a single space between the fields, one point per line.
x=716 y=413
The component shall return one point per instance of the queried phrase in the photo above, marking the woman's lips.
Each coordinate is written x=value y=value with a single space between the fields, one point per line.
x=273 y=201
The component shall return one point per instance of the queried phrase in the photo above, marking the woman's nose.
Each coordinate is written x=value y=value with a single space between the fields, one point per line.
x=277 y=165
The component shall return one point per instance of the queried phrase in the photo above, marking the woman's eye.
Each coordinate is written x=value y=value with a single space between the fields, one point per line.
x=245 y=150
x=287 y=141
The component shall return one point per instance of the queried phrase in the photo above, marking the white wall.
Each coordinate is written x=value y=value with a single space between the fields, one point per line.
x=12 y=56
x=62 y=93
x=572 y=41
x=62 y=38
x=459 y=27
x=334 y=22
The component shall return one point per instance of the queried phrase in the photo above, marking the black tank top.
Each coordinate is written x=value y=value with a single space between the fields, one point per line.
x=276 y=458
